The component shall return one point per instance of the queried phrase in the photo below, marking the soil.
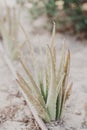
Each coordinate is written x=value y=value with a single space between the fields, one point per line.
x=14 y=112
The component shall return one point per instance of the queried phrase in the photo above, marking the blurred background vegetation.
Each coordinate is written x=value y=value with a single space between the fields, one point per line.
x=69 y=15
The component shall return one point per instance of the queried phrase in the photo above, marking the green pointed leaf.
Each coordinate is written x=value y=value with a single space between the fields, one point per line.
x=51 y=100
x=61 y=65
x=34 y=86
x=22 y=80
x=34 y=101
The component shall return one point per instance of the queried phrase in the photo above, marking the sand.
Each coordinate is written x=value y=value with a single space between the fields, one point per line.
x=14 y=112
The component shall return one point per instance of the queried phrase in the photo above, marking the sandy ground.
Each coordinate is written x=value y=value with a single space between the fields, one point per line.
x=14 y=112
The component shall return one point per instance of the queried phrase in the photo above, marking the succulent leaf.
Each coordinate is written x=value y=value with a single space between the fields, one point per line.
x=34 y=85
x=34 y=101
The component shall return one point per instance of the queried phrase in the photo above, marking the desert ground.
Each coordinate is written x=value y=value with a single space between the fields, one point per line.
x=14 y=111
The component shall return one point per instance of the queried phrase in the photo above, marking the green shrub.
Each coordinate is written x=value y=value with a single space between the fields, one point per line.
x=76 y=14
x=71 y=14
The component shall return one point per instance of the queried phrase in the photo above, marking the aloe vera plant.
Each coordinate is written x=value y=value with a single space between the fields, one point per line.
x=49 y=91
